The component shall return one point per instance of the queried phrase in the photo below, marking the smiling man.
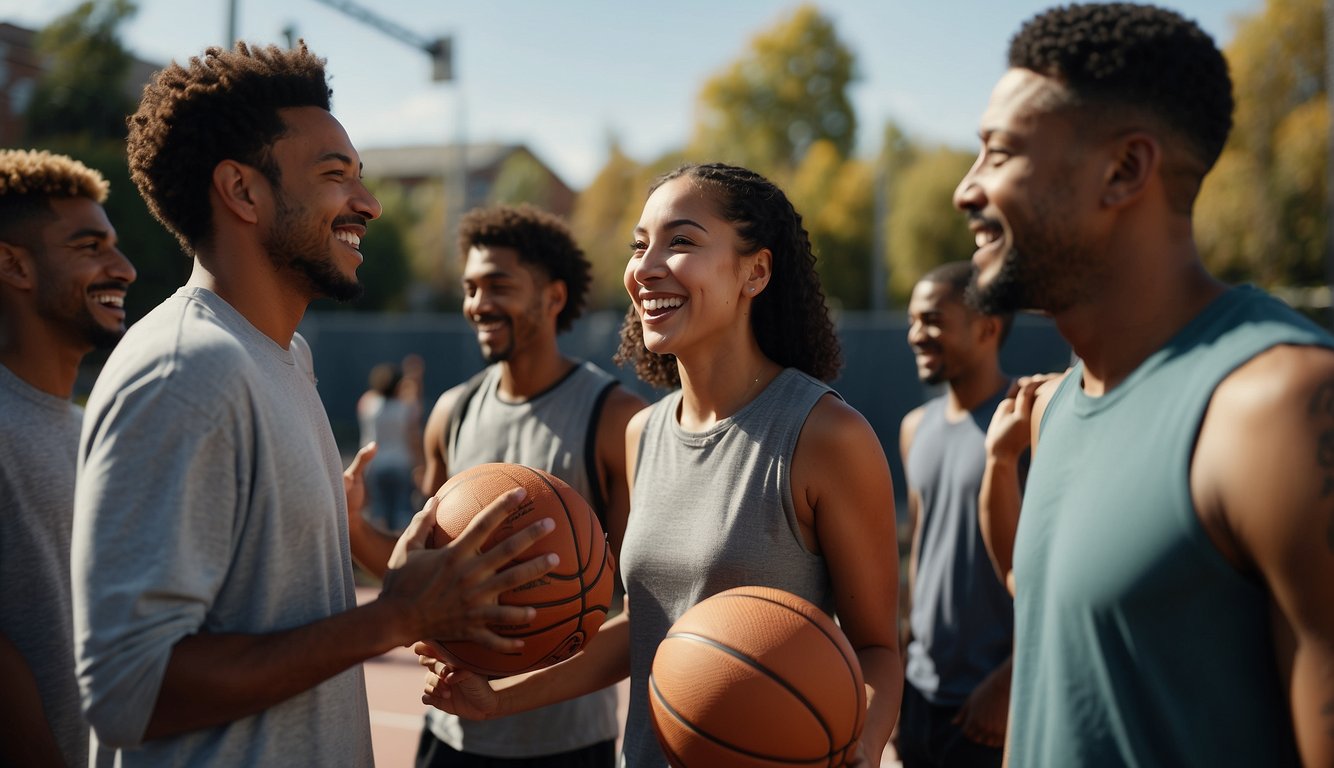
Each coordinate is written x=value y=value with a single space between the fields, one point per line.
x=1174 y=559
x=62 y=295
x=214 y=608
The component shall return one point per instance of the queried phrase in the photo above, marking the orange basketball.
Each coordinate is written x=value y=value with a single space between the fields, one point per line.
x=755 y=677
x=571 y=601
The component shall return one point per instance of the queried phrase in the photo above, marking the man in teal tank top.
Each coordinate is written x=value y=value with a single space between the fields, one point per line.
x=1173 y=566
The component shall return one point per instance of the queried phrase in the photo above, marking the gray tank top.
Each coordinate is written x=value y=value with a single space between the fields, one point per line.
x=553 y=431
x=711 y=511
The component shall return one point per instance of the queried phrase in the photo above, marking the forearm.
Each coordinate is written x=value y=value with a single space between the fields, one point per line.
x=604 y=662
x=214 y=679
x=998 y=512
x=371 y=546
x=1312 y=682
x=25 y=734
x=883 y=672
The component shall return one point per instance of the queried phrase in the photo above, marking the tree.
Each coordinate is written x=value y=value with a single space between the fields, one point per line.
x=836 y=199
x=83 y=91
x=604 y=216
x=1261 y=213
x=787 y=92
x=925 y=230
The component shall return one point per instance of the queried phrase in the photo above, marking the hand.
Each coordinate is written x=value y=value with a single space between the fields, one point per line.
x=354 y=482
x=858 y=758
x=983 y=714
x=456 y=691
x=450 y=593
x=1011 y=429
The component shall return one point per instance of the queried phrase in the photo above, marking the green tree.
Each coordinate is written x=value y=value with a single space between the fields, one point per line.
x=1261 y=213
x=925 y=230
x=604 y=216
x=522 y=179
x=787 y=92
x=836 y=199
x=83 y=91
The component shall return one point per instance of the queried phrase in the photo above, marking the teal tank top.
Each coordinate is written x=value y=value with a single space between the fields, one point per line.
x=1136 y=642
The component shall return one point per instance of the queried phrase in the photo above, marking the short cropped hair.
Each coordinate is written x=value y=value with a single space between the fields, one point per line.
x=958 y=276
x=29 y=179
x=542 y=240
x=1135 y=56
x=223 y=106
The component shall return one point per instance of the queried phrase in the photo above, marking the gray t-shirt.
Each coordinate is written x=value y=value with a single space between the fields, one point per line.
x=209 y=499
x=39 y=440
x=550 y=431
x=711 y=511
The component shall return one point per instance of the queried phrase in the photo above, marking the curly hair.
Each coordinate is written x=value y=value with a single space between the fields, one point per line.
x=541 y=240
x=1141 y=57
x=790 y=318
x=30 y=178
x=223 y=106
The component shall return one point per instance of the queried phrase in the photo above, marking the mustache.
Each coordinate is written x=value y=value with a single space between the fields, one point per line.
x=351 y=218
x=976 y=217
x=109 y=285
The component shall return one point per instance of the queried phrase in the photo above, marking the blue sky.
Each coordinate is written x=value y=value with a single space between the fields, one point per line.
x=564 y=75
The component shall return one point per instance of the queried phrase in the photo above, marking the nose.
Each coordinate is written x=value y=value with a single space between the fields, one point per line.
x=121 y=268
x=968 y=195
x=642 y=270
x=365 y=204
x=915 y=332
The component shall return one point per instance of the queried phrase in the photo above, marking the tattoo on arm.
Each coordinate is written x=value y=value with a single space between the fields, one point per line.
x=1322 y=408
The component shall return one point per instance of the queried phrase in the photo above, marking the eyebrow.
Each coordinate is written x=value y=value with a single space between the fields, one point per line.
x=679 y=223
x=339 y=156
x=101 y=234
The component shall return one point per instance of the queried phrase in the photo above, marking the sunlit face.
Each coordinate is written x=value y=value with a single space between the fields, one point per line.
x=510 y=305
x=685 y=277
x=1024 y=197
x=82 y=277
x=944 y=335
x=321 y=206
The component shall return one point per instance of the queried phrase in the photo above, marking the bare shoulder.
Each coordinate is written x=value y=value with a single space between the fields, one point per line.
x=836 y=442
x=1263 y=467
x=444 y=406
x=621 y=405
x=908 y=428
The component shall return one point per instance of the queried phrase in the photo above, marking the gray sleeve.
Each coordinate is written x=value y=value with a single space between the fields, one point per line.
x=155 y=510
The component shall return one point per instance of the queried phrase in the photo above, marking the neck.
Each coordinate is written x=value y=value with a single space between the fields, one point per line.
x=1134 y=315
x=716 y=386
x=969 y=391
x=246 y=279
x=43 y=362
x=531 y=374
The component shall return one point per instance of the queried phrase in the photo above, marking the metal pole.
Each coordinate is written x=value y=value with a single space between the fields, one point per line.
x=231 y=23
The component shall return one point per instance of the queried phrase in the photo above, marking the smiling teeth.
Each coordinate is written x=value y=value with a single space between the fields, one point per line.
x=985 y=238
x=109 y=299
x=349 y=238
x=652 y=305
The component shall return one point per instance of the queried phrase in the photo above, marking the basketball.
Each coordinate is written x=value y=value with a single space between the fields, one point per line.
x=755 y=677
x=571 y=601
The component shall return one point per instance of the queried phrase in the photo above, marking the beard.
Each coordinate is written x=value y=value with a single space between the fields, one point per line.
x=1051 y=273
x=300 y=243
x=69 y=312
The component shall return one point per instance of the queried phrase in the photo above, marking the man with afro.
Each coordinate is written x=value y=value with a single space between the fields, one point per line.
x=214 y=608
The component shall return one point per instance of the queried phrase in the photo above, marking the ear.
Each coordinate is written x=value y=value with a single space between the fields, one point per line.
x=988 y=327
x=761 y=269
x=241 y=189
x=16 y=267
x=1136 y=161
x=557 y=294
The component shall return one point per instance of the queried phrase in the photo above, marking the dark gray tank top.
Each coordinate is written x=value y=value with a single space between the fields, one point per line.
x=553 y=431
x=711 y=511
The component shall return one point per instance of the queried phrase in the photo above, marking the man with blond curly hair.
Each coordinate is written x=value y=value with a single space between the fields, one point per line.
x=62 y=295
x=215 y=613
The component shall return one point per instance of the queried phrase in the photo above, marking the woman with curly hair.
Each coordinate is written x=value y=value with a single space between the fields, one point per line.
x=753 y=472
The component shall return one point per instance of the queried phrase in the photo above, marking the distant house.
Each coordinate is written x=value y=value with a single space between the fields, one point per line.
x=492 y=172
x=21 y=67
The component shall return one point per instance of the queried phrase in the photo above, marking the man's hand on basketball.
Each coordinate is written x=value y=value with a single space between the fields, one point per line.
x=456 y=691
x=451 y=592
